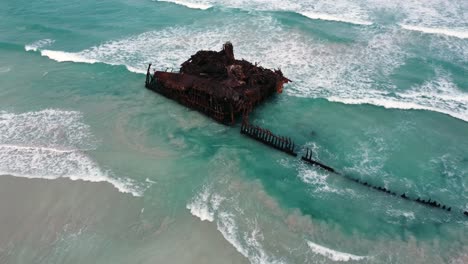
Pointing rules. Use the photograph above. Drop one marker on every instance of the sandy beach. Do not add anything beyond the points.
(51, 217)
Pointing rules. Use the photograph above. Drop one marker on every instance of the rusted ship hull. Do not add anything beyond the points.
(218, 85)
(220, 110)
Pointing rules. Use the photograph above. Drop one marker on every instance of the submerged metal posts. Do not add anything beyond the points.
(432, 203)
(266, 137)
(286, 145)
(308, 158)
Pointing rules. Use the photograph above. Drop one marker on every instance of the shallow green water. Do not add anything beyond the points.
(379, 92)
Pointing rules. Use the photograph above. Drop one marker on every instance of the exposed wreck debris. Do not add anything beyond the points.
(265, 136)
(217, 84)
(431, 203)
(308, 157)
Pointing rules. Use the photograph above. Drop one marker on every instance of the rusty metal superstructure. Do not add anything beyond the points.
(217, 84)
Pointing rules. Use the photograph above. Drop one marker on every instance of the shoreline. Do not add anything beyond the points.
(62, 218)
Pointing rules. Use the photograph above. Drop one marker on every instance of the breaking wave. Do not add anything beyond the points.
(51, 144)
(333, 254)
(438, 95)
(431, 17)
(327, 17)
(342, 11)
(189, 4)
(350, 73)
(205, 205)
(463, 34)
(38, 44)
(62, 56)
(211, 206)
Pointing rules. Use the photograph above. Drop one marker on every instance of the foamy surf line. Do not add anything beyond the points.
(394, 104)
(206, 207)
(51, 144)
(121, 187)
(333, 254)
(50, 163)
(63, 56)
(189, 4)
(38, 44)
(39, 148)
(327, 17)
(439, 31)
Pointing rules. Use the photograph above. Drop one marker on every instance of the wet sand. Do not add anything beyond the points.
(43, 220)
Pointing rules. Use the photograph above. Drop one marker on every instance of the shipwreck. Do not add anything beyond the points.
(225, 89)
(218, 85)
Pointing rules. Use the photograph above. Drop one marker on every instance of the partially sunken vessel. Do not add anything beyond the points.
(218, 85)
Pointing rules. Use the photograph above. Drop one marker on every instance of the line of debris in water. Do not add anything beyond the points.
(286, 145)
(265, 136)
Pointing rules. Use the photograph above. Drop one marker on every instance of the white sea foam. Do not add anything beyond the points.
(431, 13)
(252, 249)
(51, 144)
(313, 176)
(327, 17)
(38, 44)
(4, 69)
(189, 4)
(46, 163)
(228, 228)
(341, 11)
(29, 148)
(399, 213)
(370, 156)
(200, 206)
(396, 104)
(438, 95)
(80, 57)
(46, 128)
(207, 206)
(62, 56)
(463, 34)
(356, 73)
(317, 178)
(333, 254)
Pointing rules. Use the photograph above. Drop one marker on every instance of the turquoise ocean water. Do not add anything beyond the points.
(379, 91)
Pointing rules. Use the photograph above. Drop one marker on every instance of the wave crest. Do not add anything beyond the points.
(327, 17)
(38, 44)
(463, 34)
(333, 254)
(210, 206)
(193, 5)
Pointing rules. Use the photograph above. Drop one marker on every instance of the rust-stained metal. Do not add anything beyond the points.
(218, 85)
(265, 136)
